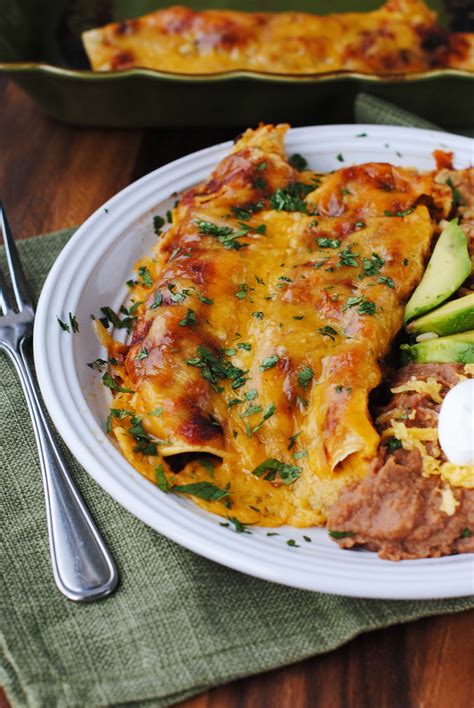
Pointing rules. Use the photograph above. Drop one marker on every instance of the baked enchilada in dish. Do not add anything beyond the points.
(260, 376)
(401, 37)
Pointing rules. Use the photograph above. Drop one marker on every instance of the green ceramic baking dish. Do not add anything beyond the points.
(41, 50)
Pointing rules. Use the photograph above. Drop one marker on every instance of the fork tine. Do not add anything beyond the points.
(6, 305)
(20, 288)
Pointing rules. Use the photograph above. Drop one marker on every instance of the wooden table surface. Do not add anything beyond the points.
(52, 176)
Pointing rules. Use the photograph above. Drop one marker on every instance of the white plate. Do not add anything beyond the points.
(91, 272)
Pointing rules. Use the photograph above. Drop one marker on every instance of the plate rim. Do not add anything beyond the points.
(222, 551)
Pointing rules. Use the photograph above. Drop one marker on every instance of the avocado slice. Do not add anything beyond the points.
(448, 267)
(457, 348)
(454, 316)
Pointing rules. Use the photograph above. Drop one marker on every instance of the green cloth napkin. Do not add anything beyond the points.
(177, 625)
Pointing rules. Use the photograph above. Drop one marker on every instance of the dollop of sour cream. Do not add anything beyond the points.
(456, 424)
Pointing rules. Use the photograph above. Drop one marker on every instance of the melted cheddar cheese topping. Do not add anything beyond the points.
(401, 37)
(263, 315)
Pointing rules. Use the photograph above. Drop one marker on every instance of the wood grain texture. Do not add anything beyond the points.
(53, 176)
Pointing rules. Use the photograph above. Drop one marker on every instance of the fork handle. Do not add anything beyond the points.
(83, 567)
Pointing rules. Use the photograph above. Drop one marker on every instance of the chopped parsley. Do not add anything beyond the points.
(348, 258)
(245, 346)
(328, 242)
(372, 265)
(242, 291)
(158, 300)
(457, 196)
(203, 490)
(269, 362)
(143, 353)
(270, 468)
(393, 444)
(160, 478)
(63, 325)
(300, 455)
(293, 439)
(307, 539)
(340, 534)
(238, 525)
(145, 275)
(251, 410)
(305, 376)
(292, 543)
(157, 411)
(406, 212)
(363, 304)
(189, 320)
(158, 223)
(251, 394)
(466, 533)
(360, 224)
(73, 323)
(385, 280)
(298, 317)
(169, 216)
(245, 213)
(111, 317)
(262, 166)
(291, 198)
(267, 413)
(327, 331)
(214, 368)
(298, 162)
(97, 364)
(340, 157)
(257, 315)
(405, 261)
(109, 381)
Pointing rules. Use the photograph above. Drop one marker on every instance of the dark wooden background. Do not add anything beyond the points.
(52, 176)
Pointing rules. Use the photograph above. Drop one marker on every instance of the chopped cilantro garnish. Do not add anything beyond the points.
(340, 534)
(292, 543)
(307, 539)
(345, 191)
(340, 157)
(405, 261)
(189, 320)
(372, 265)
(203, 490)
(63, 325)
(348, 258)
(300, 455)
(73, 323)
(251, 410)
(327, 331)
(259, 183)
(269, 362)
(360, 224)
(298, 317)
(262, 166)
(293, 439)
(157, 411)
(291, 198)
(135, 306)
(109, 381)
(111, 317)
(245, 346)
(161, 481)
(169, 216)
(242, 291)
(257, 315)
(97, 364)
(245, 213)
(361, 135)
(238, 525)
(298, 162)
(364, 306)
(406, 212)
(270, 468)
(466, 533)
(143, 353)
(393, 444)
(457, 196)
(214, 368)
(158, 223)
(328, 242)
(385, 280)
(251, 394)
(145, 275)
(305, 376)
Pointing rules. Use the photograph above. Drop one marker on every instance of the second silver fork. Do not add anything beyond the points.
(83, 567)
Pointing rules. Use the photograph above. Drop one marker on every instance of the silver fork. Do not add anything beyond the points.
(82, 566)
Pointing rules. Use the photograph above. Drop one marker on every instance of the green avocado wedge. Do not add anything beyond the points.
(448, 268)
(452, 317)
(459, 348)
